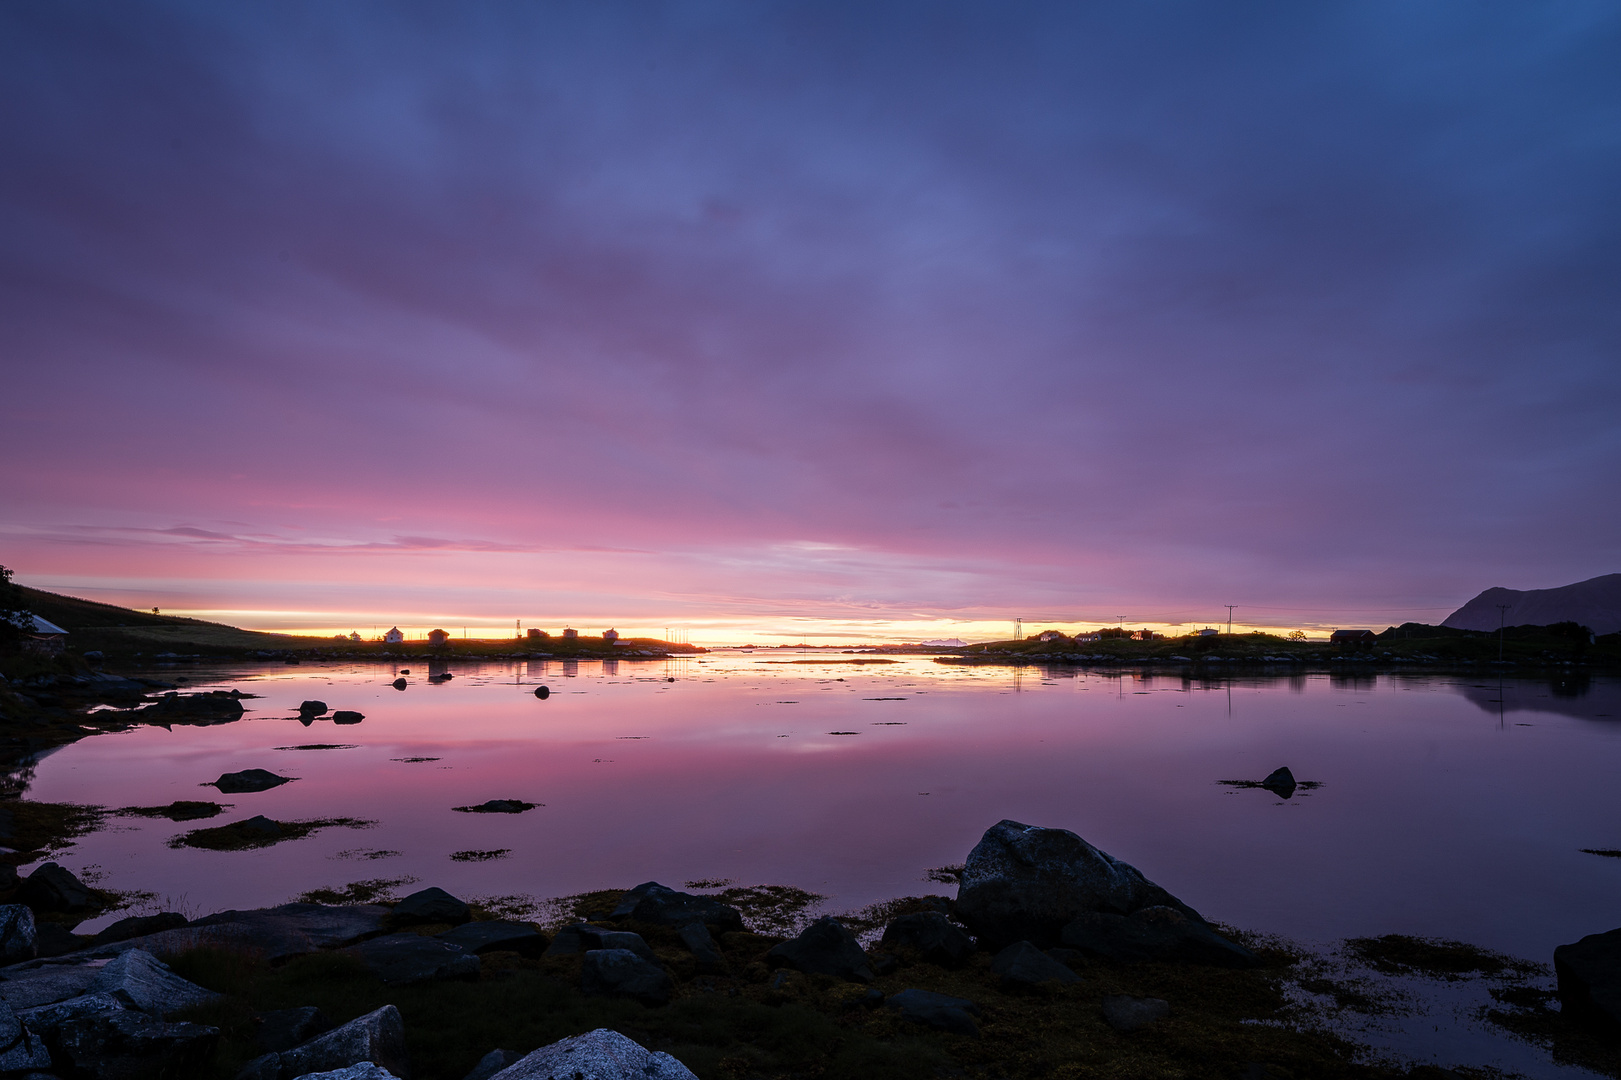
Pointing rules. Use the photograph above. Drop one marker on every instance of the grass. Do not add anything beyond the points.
(1399, 954)
(370, 891)
(239, 836)
(179, 810)
(42, 828)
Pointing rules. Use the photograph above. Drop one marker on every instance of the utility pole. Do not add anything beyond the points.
(1229, 608)
(1502, 615)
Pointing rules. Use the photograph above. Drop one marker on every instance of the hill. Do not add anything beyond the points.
(1594, 603)
(94, 625)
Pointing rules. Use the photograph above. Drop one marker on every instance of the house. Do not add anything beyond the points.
(393, 637)
(1206, 632)
(537, 634)
(1096, 635)
(1356, 638)
(570, 635)
(42, 636)
(354, 635)
(1051, 635)
(1148, 635)
(438, 637)
(610, 636)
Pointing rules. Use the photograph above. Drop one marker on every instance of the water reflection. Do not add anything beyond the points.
(1575, 695)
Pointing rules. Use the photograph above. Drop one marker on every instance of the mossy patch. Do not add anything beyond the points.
(42, 827)
(480, 856)
(1400, 954)
(179, 810)
(370, 891)
(773, 909)
(249, 834)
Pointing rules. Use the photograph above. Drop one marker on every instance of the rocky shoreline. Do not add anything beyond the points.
(1053, 959)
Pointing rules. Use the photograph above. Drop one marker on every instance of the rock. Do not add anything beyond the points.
(399, 684)
(940, 1011)
(283, 1029)
(496, 935)
(8, 873)
(596, 1055)
(1281, 782)
(1023, 882)
(147, 984)
(214, 707)
(498, 806)
(1160, 934)
(622, 973)
(363, 1071)
(46, 1019)
(347, 716)
(35, 986)
(1023, 964)
(825, 948)
(250, 780)
(17, 933)
(492, 1063)
(377, 1038)
(403, 959)
(124, 1045)
(51, 939)
(431, 905)
(259, 825)
(139, 926)
(696, 937)
(277, 933)
(1126, 1014)
(312, 708)
(582, 937)
(661, 905)
(51, 888)
(932, 935)
(1589, 973)
(543, 692)
(20, 1048)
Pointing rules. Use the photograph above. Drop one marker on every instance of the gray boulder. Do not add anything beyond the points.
(148, 985)
(403, 959)
(20, 1049)
(492, 1063)
(36, 985)
(1589, 974)
(1127, 1014)
(825, 948)
(577, 938)
(939, 1011)
(698, 940)
(932, 935)
(249, 780)
(124, 1045)
(431, 905)
(46, 1019)
(140, 926)
(1023, 964)
(597, 1055)
(283, 1029)
(1155, 934)
(17, 933)
(51, 888)
(377, 1038)
(496, 935)
(661, 905)
(622, 973)
(1024, 882)
(363, 1071)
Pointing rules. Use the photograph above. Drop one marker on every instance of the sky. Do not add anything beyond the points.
(843, 321)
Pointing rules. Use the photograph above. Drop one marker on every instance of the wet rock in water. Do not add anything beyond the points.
(497, 935)
(825, 948)
(661, 905)
(622, 973)
(1160, 934)
(138, 977)
(260, 825)
(1281, 782)
(939, 1011)
(1127, 1014)
(431, 905)
(1023, 964)
(140, 926)
(51, 888)
(377, 1038)
(283, 1029)
(399, 684)
(492, 1063)
(583, 937)
(543, 692)
(216, 706)
(132, 1044)
(932, 935)
(250, 780)
(597, 1055)
(312, 708)
(696, 937)
(1589, 973)
(1024, 882)
(497, 806)
(403, 959)
(17, 933)
(347, 716)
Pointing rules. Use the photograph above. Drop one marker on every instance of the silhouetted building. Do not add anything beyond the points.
(438, 637)
(1358, 638)
(1051, 635)
(610, 636)
(570, 635)
(538, 635)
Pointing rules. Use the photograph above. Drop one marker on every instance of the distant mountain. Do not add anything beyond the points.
(1595, 603)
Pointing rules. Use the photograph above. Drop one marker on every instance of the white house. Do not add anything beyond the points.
(393, 637)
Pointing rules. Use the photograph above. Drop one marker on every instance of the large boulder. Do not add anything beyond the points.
(1024, 882)
(1589, 973)
(21, 1050)
(51, 888)
(378, 1038)
(597, 1055)
(147, 984)
(404, 959)
(1155, 934)
(1022, 964)
(661, 905)
(622, 973)
(932, 935)
(496, 935)
(825, 948)
(492, 1063)
(283, 1029)
(140, 926)
(125, 1045)
(363, 1071)
(701, 944)
(577, 938)
(17, 934)
(211, 707)
(939, 1011)
(431, 905)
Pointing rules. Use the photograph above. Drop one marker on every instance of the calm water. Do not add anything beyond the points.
(1449, 807)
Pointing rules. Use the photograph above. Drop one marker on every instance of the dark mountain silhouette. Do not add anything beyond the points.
(1595, 603)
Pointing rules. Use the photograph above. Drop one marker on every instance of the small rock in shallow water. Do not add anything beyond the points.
(347, 716)
(498, 806)
(399, 684)
(312, 708)
(1126, 1014)
(249, 780)
(1281, 782)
